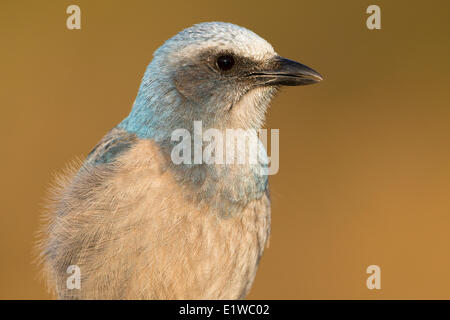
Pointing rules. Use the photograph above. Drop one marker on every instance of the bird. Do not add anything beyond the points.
(138, 225)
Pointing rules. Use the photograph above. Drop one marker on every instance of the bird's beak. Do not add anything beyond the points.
(285, 72)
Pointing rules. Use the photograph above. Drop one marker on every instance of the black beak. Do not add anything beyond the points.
(286, 72)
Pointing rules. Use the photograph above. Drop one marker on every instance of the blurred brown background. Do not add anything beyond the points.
(365, 158)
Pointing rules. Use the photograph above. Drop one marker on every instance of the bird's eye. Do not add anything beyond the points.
(225, 62)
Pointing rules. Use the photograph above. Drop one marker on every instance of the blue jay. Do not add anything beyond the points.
(139, 226)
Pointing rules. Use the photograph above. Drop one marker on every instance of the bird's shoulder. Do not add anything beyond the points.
(114, 143)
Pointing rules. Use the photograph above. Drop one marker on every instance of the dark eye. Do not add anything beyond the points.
(225, 62)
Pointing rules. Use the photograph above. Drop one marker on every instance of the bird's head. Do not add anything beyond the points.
(219, 73)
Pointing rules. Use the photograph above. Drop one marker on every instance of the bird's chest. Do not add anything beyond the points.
(184, 248)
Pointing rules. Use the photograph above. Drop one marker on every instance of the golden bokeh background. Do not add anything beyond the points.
(365, 155)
